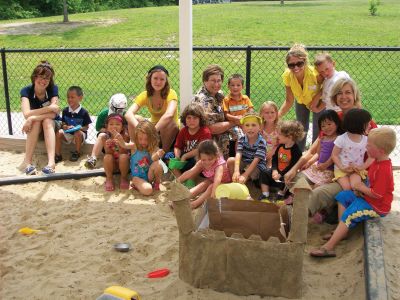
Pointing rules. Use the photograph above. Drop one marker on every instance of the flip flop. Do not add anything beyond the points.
(109, 186)
(322, 252)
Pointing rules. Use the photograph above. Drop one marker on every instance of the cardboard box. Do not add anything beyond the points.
(257, 260)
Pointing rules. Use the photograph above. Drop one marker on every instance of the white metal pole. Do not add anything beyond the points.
(185, 52)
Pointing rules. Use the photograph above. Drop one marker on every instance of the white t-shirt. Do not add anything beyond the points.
(327, 88)
(351, 152)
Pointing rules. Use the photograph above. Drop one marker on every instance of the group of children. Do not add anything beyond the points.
(266, 149)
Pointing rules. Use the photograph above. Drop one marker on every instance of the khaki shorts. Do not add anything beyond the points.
(254, 175)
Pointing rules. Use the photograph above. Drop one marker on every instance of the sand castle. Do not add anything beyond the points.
(242, 263)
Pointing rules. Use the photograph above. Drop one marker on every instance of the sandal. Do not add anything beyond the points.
(322, 252)
(90, 162)
(47, 170)
(124, 184)
(30, 170)
(109, 186)
(74, 156)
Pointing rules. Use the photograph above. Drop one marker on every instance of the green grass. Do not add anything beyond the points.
(102, 74)
(334, 22)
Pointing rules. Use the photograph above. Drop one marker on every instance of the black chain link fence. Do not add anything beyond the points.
(104, 72)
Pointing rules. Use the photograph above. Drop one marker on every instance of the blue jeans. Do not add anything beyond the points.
(303, 116)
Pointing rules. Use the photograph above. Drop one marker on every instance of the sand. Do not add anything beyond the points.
(73, 258)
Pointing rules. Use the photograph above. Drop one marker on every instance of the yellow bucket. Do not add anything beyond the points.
(232, 190)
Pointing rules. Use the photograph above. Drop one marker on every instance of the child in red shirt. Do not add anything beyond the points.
(377, 197)
(190, 136)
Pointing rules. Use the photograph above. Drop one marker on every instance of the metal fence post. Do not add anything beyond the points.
(6, 94)
(248, 70)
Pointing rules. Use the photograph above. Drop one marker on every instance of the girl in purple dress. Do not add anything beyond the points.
(319, 170)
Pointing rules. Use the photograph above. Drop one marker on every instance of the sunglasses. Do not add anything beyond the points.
(299, 64)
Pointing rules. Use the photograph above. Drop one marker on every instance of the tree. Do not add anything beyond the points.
(65, 11)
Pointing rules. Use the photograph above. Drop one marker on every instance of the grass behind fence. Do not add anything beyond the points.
(102, 74)
(329, 22)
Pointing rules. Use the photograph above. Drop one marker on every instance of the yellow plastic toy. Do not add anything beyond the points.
(116, 292)
(232, 190)
(28, 231)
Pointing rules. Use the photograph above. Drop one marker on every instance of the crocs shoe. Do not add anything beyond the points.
(30, 170)
(47, 170)
(74, 156)
(58, 158)
(90, 163)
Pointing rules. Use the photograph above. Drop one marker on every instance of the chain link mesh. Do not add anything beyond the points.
(104, 72)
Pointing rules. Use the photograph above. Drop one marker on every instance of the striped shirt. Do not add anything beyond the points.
(257, 150)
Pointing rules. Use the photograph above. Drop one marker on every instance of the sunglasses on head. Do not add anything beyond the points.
(299, 64)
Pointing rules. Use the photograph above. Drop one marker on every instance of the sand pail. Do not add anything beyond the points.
(232, 190)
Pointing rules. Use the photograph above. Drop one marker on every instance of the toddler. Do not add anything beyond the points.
(376, 198)
(269, 115)
(213, 166)
(285, 157)
(250, 154)
(72, 116)
(325, 66)
(146, 169)
(236, 104)
(348, 152)
(319, 169)
(116, 157)
(189, 137)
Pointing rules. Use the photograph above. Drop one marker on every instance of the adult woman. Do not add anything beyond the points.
(301, 82)
(346, 95)
(162, 103)
(210, 97)
(39, 105)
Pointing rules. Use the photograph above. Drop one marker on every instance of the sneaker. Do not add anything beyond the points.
(58, 158)
(90, 162)
(30, 170)
(47, 170)
(74, 156)
(262, 197)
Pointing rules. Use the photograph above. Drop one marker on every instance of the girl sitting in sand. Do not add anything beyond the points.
(115, 157)
(146, 169)
(319, 169)
(213, 166)
(269, 115)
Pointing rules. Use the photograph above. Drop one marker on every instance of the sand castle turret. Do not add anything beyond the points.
(251, 261)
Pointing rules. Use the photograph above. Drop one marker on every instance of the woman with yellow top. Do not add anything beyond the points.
(162, 104)
(303, 84)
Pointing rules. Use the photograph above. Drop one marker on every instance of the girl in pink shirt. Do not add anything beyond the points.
(213, 167)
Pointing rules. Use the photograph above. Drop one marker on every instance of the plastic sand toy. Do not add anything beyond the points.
(119, 293)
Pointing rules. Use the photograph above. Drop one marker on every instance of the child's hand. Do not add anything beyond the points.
(275, 175)
(306, 166)
(235, 176)
(242, 179)
(322, 166)
(110, 143)
(183, 157)
(289, 176)
(160, 153)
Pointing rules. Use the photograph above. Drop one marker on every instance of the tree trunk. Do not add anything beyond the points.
(65, 11)
(282, 2)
